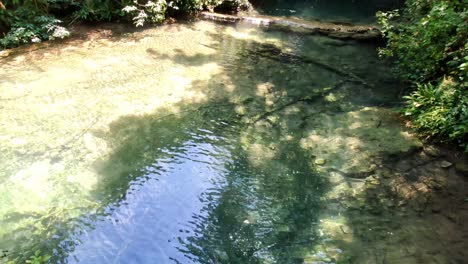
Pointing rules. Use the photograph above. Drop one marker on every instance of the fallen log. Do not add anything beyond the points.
(334, 30)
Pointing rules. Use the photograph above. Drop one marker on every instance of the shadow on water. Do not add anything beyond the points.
(265, 205)
(254, 212)
(227, 176)
(264, 201)
(356, 11)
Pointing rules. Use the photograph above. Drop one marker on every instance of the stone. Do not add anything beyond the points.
(431, 150)
(452, 217)
(371, 180)
(319, 161)
(436, 208)
(445, 164)
(349, 141)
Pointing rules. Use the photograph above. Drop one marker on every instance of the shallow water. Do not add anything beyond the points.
(199, 143)
(351, 11)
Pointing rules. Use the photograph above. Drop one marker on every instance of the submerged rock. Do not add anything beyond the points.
(445, 164)
(320, 161)
(351, 141)
(431, 150)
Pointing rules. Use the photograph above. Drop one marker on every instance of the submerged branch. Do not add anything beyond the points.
(308, 99)
(276, 54)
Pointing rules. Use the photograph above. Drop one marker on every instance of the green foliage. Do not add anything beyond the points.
(38, 258)
(423, 44)
(440, 111)
(156, 11)
(97, 10)
(27, 27)
(29, 21)
(427, 42)
(151, 11)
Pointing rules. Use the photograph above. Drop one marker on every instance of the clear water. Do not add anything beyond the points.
(351, 11)
(199, 143)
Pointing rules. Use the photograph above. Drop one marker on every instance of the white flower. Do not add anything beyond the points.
(35, 40)
(129, 9)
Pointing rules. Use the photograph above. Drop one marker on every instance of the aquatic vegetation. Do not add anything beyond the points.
(37, 258)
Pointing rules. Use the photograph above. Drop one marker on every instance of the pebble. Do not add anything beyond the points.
(436, 208)
(445, 164)
(319, 161)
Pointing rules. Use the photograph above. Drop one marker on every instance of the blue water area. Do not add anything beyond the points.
(240, 172)
(203, 202)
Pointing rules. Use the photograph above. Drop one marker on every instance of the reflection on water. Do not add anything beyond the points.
(203, 200)
(159, 204)
(197, 143)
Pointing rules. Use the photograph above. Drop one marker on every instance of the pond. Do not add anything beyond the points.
(206, 143)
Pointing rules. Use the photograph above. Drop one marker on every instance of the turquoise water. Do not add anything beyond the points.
(203, 143)
(351, 11)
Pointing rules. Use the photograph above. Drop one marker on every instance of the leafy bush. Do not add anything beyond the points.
(29, 21)
(96, 10)
(440, 111)
(29, 27)
(427, 43)
(156, 11)
(151, 11)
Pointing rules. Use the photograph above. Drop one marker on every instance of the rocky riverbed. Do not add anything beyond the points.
(267, 145)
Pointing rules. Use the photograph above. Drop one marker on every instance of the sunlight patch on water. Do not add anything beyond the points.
(348, 141)
(222, 144)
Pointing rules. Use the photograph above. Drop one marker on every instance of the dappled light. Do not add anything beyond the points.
(209, 143)
(349, 142)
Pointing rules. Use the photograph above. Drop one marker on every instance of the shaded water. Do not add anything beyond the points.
(200, 143)
(355, 11)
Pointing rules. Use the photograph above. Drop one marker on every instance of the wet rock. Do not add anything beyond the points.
(349, 141)
(436, 208)
(431, 150)
(387, 174)
(453, 217)
(320, 161)
(445, 164)
(371, 180)
(435, 185)
(462, 167)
